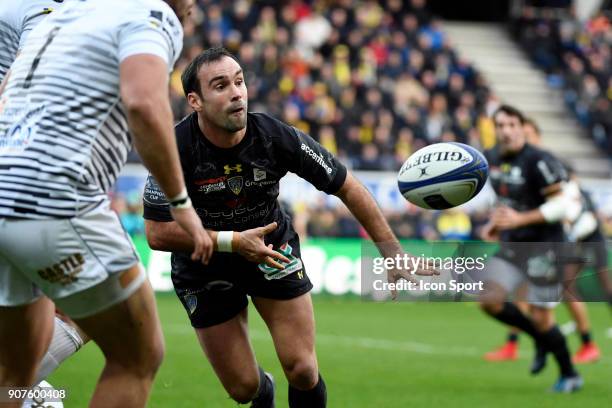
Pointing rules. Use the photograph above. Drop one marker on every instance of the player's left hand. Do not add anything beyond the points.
(251, 245)
(506, 218)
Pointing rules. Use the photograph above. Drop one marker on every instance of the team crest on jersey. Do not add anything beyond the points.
(235, 184)
(192, 303)
(259, 174)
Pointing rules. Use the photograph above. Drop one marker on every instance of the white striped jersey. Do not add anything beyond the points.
(17, 18)
(63, 129)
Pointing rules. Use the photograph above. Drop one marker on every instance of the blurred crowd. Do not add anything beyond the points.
(576, 56)
(372, 81)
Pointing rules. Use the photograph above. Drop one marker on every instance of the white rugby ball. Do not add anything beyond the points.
(443, 175)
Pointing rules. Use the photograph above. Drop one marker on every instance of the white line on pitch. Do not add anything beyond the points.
(371, 343)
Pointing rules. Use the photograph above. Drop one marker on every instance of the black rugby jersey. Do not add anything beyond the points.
(519, 180)
(237, 188)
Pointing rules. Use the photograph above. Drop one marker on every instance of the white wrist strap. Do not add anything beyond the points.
(180, 201)
(224, 241)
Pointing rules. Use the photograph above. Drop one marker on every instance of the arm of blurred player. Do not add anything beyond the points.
(363, 206)
(553, 210)
(144, 93)
(168, 236)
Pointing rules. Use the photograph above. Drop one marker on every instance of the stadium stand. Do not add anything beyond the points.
(576, 57)
(372, 83)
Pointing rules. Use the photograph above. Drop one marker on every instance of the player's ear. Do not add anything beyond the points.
(194, 101)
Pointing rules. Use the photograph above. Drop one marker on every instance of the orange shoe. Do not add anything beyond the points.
(507, 352)
(588, 353)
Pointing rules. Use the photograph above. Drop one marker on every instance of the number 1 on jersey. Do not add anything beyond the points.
(28, 81)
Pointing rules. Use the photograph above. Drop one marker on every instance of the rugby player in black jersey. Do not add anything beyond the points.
(233, 162)
(583, 227)
(528, 182)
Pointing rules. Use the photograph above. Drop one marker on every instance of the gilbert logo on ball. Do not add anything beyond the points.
(443, 175)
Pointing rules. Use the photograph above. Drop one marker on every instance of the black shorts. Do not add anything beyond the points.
(594, 251)
(215, 293)
(543, 263)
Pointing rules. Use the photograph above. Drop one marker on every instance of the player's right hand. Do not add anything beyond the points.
(251, 245)
(191, 223)
(489, 232)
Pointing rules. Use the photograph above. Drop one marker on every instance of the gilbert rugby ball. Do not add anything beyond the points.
(443, 175)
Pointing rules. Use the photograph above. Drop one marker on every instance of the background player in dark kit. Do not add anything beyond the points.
(583, 227)
(233, 162)
(528, 182)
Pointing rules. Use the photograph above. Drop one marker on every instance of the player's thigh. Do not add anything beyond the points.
(292, 326)
(228, 349)
(501, 278)
(129, 332)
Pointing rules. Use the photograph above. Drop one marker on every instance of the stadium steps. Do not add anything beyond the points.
(516, 81)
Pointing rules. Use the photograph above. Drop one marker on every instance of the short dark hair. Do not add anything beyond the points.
(189, 78)
(533, 124)
(510, 111)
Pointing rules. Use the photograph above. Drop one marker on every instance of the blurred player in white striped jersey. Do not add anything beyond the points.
(16, 23)
(89, 78)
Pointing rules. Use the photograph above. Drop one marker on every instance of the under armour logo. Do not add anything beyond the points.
(228, 169)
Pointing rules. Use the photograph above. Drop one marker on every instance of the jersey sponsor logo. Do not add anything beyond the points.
(508, 174)
(229, 169)
(210, 185)
(259, 174)
(294, 265)
(23, 130)
(235, 184)
(264, 183)
(210, 180)
(232, 216)
(209, 188)
(65, 271)
(318, 158)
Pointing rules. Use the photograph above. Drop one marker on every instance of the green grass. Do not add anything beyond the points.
(371, 355)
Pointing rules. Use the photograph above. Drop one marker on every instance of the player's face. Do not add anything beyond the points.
(531, 135)
(224, 94)
(182, 9)
(510, 133)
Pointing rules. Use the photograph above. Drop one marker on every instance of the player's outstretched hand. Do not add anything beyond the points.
(423, 269)
(489, 232)
(191, 223)
(506, 218)
(251, 245)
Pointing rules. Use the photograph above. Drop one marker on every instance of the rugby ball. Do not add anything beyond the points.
(443, 175)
